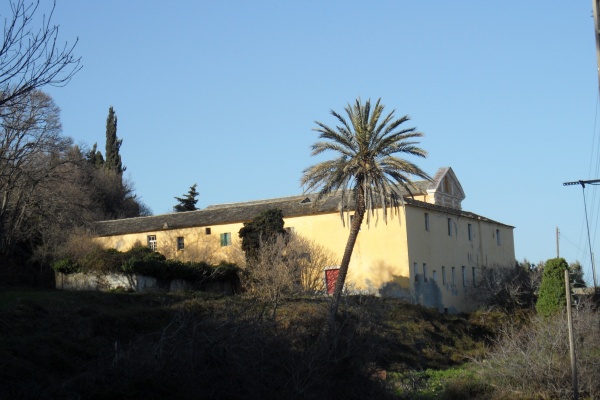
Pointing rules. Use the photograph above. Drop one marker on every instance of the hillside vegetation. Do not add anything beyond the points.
(57, 344)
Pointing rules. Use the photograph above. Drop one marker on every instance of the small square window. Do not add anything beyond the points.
(425, 272)
(152, 242)
(443, 275)
(498, 237)
(464, 275)
(207, 231)
(453, 275)
(474, 276)
(427, 221)
(180, 243)
(449, 226)
(225, 239)
(470, 231)
(434, 275)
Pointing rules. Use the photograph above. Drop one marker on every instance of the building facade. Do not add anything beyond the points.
(431, 252)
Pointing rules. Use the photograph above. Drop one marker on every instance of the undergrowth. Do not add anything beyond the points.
(127, 345)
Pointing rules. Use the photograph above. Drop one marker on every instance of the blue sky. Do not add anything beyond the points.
(225, 94)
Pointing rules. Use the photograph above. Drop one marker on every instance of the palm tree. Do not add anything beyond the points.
(366, 171)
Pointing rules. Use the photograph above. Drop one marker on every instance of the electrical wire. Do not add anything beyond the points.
(563, 237)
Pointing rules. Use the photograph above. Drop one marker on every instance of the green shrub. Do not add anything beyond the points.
(66, 266)
(552, 297)
(101, 261)
(449, 384)
(142, 260)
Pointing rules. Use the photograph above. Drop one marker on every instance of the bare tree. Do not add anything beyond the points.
(31, 57)
(30, 149)
(285, 266)
(271, 275)
(310, 259)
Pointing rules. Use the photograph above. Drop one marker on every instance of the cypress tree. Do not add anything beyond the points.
(113, 144)
(552, 296)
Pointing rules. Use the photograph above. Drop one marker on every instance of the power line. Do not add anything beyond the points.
(562, 236)
(583, 183)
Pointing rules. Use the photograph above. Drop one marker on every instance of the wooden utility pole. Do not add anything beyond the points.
(557, 248)
(595, 7)
(571, 338)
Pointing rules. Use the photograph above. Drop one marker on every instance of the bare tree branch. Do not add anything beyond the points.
(31, 57)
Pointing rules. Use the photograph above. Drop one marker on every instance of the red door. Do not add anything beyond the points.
(331, 276)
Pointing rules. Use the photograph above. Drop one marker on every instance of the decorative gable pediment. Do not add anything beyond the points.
(445, 189)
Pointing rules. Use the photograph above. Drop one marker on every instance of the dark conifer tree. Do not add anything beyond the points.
(113, 144)
(94, 157)
(188, 202)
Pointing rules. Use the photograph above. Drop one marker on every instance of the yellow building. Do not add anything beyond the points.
(430, 253)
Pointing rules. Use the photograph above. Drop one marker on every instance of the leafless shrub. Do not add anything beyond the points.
(311, 260)
(507, 287)
(287, 266)
(78, 244)
(271, 274)
(534, 360)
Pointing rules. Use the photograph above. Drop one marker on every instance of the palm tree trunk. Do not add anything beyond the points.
(339, 284)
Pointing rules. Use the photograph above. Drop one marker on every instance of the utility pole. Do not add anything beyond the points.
(583, 183)
(571, 338)
(557, 248)
(595, 7)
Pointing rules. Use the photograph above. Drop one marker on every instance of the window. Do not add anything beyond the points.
(225, 239)
(443, 275)
(152, 242)
(424, 272)
(180, 243)
(453, 276)
(207, 231)
(416, 271)
(498, 237)
(426, 221)
(473, 276)
(464, 275)
(434, 275)
(470, 231)
(449, 226)
(289, 230)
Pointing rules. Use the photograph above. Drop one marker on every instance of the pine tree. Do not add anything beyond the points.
(113, 144)
(188, 202)
(576, 272)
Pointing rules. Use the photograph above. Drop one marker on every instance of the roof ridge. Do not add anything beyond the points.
(256, 202)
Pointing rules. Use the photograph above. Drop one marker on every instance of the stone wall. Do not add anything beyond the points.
(137, 283)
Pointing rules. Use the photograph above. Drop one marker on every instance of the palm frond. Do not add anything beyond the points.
(369, 144)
